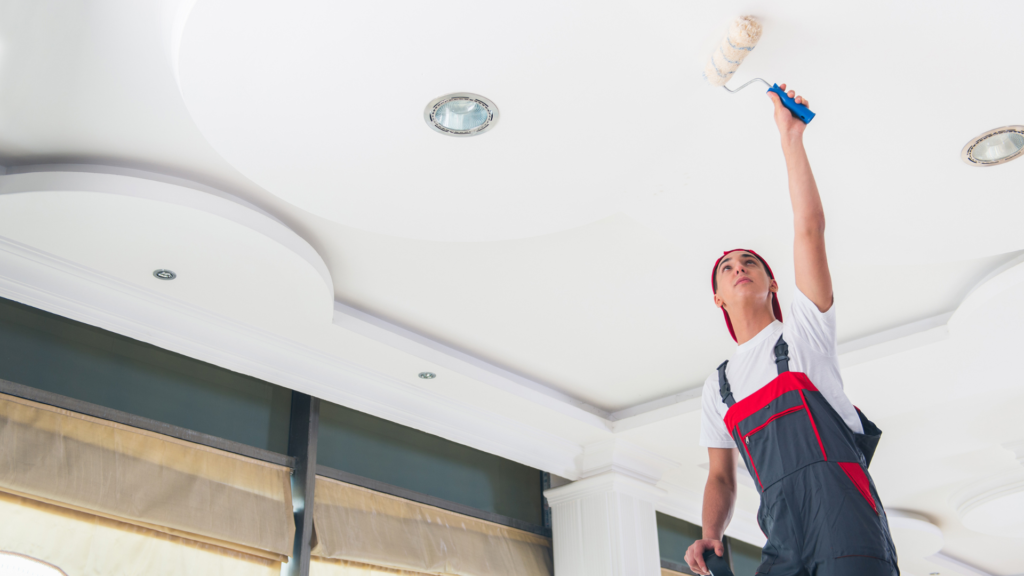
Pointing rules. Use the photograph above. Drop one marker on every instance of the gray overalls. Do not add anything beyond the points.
(819, 508)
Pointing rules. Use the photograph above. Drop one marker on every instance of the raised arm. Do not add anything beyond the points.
(809, 259)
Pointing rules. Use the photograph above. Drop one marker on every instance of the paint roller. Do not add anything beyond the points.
(743, 35)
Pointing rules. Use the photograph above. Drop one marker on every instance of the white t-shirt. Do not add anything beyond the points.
(811, 336)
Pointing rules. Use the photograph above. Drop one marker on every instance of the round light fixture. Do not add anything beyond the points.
(994, 505)
(996, 146)
(20, 565)
(427, 375)
(461, 114)
(164, 274)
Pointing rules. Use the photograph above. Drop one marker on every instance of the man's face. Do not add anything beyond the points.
(742, 277)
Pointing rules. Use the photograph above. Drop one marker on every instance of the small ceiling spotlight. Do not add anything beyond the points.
(427, 375)
(461, 114)
(996, 146)
(164, 274)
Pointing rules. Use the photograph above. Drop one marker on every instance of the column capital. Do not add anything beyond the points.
(605, 482)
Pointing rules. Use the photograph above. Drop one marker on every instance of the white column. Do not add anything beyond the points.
(604, 524)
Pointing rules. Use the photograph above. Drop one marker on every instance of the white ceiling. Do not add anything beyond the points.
(553, 271)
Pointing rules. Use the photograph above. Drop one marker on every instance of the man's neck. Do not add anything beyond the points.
(751, 323)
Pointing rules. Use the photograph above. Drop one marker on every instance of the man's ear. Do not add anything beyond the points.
(774, 286)
(719, 302)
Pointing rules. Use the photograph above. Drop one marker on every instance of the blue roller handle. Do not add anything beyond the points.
(798, 110)
(718, 565)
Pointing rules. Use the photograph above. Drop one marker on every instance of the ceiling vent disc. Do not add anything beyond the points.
(997, 146)
(461, 114)
(994, 505)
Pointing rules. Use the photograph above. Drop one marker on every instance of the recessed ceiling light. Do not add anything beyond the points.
(164, 274)
(995, 147)
(461, 114)
(427, 375)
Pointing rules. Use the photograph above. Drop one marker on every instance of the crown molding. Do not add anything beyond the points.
(422, 347)
(623, 457)
(49, 283)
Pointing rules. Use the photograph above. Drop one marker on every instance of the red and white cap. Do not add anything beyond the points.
(776, 309)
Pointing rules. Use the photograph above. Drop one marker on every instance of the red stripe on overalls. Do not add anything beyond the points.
(813, 425)
(749, 457)
(860, 480)
(785, 382)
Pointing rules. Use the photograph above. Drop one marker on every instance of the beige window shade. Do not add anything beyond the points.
(363, 526)
(83, 544)
(328, 567)
(122, 473)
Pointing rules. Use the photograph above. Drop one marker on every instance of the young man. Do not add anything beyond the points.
(779, 405)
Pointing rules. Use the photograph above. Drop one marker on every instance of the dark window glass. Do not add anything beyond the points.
(59, 355)
(382, 450)
(745, 557)
(675, 536)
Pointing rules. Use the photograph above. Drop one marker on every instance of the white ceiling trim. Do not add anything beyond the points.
(623, 457)
(869, 348)
(956, 565)
(899, 339)
(162, 188)
(422, 347)
(1001, 279)
(49, 283)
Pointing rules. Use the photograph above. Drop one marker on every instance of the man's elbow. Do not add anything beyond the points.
(812, 226)
(723, 481)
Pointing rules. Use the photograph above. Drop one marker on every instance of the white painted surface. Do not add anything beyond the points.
(605, 525)
(228, 256)
(994, 505)
(566, 337)
(594, 98)
(914, 535)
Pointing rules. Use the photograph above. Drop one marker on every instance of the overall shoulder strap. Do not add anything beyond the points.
(782, 355)
(723, 386)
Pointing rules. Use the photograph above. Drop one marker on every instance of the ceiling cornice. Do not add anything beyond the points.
(49, 283)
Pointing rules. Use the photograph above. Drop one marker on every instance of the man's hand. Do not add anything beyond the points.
(789, 126)
(809, 260)
(695, 554)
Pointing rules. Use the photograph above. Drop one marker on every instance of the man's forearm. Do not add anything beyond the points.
(808, 214)
(810, 263)
(719, 499)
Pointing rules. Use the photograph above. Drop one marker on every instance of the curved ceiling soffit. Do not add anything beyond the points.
(174, 17)
(161, 188)
(1007, 277)
(914, 535)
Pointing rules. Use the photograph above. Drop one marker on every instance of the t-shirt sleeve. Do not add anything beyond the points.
(713, 433)
(811, 325)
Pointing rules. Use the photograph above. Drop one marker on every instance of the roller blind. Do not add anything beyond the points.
(146, 479)
(363, 526)
(83, 544)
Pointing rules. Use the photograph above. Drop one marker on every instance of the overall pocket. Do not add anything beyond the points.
(780, 439)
